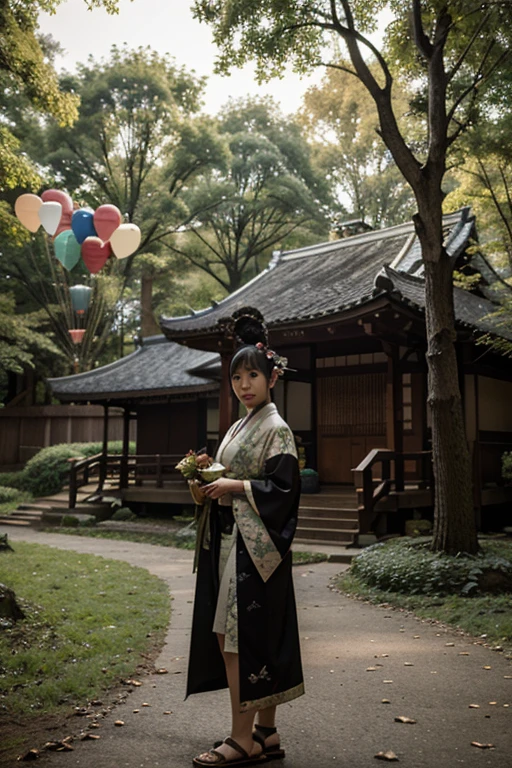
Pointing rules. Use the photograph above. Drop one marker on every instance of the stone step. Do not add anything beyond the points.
(10, 520)
(324, 535)
(319, 512)
(332, 523)
(25, 514)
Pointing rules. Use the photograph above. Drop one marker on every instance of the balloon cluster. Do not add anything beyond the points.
(78, 232)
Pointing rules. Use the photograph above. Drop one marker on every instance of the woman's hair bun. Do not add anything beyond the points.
(249, 326)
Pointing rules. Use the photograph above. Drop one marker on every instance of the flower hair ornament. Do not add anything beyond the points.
(280, 362)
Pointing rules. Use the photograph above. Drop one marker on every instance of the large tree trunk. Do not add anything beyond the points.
(454, 519)
(149, 326)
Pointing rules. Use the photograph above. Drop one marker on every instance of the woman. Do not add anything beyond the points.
(244, 632)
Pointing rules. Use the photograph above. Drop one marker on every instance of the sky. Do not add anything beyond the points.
(168, 27)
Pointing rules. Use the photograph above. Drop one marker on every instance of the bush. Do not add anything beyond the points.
(47, 472)
(404, 566)
(506, 466)
(123, 513)
(70, 521)
(12, 480)
(9, 494)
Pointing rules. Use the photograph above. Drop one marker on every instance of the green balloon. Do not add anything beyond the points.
(67, 249)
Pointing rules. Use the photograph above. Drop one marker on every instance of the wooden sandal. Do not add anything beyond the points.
(221, 759)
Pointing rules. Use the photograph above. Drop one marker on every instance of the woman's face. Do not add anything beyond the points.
(252, 387)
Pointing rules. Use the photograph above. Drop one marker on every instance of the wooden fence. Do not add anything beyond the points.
(24, 431)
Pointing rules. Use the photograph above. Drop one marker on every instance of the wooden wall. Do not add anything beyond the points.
(24, 431)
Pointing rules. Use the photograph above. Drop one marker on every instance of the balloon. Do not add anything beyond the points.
(67, 249)
(49, 216)
(77, 335)
(80, 298)
(95, 253)
(125, 240)
(58, 196)
(26, 209)
(107, 218)
(82, 224)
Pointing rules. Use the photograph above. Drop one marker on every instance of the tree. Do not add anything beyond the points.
(26, 68)
(137, 144)
(342, 120)
(265, 194)
(452, 49)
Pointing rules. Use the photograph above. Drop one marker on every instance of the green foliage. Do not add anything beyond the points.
(506, 465)
(88, 621)
(411, 568)
(19, 340)
(8, 495)
(48, 471)
(123, 513)
(70, 521)
(262, 194)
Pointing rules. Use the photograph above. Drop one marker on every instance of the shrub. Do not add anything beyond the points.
(70, 521)
(48, 471)
(506, 466)
(123, 513)
(9, 494)
(403, 566)
(12, 480)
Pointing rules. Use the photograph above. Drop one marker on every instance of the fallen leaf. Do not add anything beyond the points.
(389, 755)
(145, 704)
(385, 701)
(119, 723)
(464, 653)
(371, 669)
(408, 664)
(168, 712)
(482, 746)
(449, 645)
(32, 754)
(507, 677)
(387, 681)
(135, 711)
(89, 736)
(493, 702)
(162, 671)
(474, 706)
(403, 719)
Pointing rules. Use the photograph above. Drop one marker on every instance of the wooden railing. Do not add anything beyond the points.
(391, 479)
(133, 469)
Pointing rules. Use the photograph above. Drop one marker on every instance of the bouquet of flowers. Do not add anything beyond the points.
(199, 468)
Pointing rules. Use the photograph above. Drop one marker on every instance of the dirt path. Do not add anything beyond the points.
(354, 655)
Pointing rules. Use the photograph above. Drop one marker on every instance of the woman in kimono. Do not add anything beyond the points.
(245, 632)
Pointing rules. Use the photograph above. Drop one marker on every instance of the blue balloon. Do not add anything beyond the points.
(82, 224)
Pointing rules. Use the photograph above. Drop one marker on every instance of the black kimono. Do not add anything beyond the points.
(252, 600)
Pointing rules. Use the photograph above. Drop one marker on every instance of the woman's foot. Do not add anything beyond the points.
(270, 740)
(231, 752)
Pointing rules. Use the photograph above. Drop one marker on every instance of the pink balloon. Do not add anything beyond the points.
(95, 253)
(106, 220)
(58, 196)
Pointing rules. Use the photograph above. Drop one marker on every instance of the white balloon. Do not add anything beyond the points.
(49, 215)
(125, 240)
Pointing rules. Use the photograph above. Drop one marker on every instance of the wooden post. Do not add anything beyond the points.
(225, 396)
(123, 480)
(394, 419)
(104, 452)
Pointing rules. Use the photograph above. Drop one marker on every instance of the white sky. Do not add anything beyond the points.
(168, 27)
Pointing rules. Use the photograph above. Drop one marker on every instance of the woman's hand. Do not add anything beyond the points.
(222, 486)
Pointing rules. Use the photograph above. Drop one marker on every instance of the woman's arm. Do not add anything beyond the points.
(222, 486)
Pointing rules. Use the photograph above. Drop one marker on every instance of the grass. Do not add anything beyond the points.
(486, 616)
(88, 620)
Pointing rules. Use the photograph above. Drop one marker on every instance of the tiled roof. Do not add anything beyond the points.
(470, 310)
(158, 366)
(323, 279)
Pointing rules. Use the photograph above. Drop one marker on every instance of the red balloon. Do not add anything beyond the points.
(58, 196)
(95, 253)
(106, 220)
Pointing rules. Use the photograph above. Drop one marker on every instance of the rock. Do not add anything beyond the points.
(9, 608)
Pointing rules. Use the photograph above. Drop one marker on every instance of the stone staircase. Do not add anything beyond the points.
(328, 517)
(51, 509)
